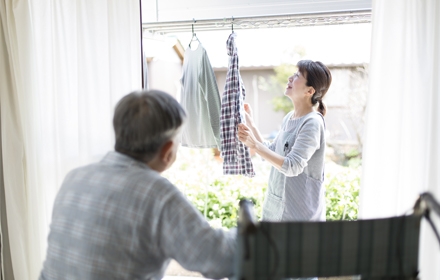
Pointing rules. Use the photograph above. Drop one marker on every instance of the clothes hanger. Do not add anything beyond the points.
(232, 24)
(194, 36)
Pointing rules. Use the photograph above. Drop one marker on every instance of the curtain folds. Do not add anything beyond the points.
(401, 156)
(64, 66)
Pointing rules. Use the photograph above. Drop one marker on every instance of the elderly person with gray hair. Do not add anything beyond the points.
(120, 219)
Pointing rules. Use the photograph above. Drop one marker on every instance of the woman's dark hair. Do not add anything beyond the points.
(319, 77)
(144, 121)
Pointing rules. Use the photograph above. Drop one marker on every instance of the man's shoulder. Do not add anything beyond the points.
(136, 177)
(80, 171)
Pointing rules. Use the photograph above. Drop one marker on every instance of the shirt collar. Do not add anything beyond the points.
(230, 45)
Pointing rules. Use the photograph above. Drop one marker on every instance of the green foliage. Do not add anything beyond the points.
(282, 103)
(223, 199)
(352, 153)
(353, 157)
(197, 173)
(355, 162)
(283, 72)
(342, 192)
(277, 83)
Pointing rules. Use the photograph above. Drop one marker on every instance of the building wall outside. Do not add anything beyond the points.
(345, 99)
(345, 102)
(165, 76)
(266, 119)
(164, 73)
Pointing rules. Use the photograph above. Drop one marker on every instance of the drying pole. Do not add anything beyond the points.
(206, 186)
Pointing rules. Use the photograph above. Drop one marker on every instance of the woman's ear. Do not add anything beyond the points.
(311, 91)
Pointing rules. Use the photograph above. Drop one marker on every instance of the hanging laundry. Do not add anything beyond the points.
(201, 100)
(236, 156)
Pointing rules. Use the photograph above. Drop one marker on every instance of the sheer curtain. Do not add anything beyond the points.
(64, 66)
(401, 152)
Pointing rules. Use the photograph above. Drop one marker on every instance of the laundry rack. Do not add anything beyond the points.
(267, 21)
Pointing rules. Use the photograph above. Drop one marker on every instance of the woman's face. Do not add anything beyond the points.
(296, 85)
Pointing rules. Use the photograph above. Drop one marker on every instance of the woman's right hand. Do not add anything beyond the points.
(246, 136)
(249, 114)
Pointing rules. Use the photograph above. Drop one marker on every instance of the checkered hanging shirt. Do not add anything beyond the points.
(236, 156)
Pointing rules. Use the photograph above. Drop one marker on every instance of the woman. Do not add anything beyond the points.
(295, 190)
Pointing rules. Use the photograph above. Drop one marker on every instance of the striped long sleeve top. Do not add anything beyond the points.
(201, 100)
(296, 192)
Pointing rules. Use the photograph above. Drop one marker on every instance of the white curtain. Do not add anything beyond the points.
(401, 156)
(64, 65)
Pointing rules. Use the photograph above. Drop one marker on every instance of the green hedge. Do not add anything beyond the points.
(197, 173)
(342, 191)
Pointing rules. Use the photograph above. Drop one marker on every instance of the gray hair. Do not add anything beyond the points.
(144, 121)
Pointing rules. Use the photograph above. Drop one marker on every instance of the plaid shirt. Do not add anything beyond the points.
(119, 219)
(236, 156)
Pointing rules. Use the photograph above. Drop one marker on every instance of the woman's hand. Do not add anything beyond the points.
(249, 114)
(246, 136)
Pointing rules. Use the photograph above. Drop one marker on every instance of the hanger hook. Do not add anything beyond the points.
(193, 25)
(232, 23)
